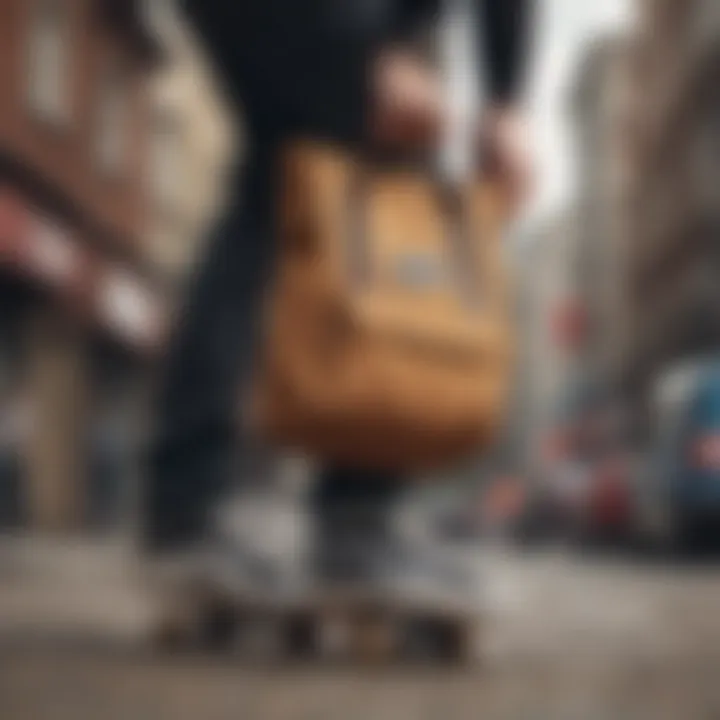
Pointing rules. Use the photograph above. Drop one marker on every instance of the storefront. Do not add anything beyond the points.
(121, 354)
(15, 401)
(77, 340)
(43, 273)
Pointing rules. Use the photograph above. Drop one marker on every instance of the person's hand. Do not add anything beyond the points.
(506, 154)
(407, 103)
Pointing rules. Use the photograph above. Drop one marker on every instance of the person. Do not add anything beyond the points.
(339, 70)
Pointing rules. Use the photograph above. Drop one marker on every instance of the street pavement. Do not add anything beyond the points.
(565, 637)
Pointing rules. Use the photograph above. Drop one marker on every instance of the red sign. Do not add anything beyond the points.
(556, 446)
(504, 500)
(12, 224)
(51, 254)
(570, 324)
(40, 246)
(44, 249)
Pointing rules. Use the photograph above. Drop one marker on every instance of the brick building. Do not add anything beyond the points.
(81, 312)
(602, 107)
(193, 147)
(675, 189)
(546, 268)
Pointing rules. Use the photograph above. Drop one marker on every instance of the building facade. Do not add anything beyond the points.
(81, 312)
(675, 190)
(545, 269)
(575, 284)
(602, 107)
(194, 147)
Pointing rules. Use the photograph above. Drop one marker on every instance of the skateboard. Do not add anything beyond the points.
(352, 626)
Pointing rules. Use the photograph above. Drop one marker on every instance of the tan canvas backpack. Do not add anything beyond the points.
(388, 340)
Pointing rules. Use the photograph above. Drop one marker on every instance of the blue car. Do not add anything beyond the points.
(683, 472)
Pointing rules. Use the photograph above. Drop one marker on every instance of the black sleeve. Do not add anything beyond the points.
(503, 41)
(300, 65)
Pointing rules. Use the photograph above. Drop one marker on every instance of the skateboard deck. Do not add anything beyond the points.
(352, 626)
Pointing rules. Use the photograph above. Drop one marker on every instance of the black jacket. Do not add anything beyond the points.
(300, 65)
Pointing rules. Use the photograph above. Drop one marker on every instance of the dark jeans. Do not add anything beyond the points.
(197, 449)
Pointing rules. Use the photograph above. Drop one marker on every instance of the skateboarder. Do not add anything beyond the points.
(342, 70)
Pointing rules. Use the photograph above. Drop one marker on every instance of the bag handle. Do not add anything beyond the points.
(459, 243)
(359, 258)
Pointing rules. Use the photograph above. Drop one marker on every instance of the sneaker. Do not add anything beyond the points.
(363, 549)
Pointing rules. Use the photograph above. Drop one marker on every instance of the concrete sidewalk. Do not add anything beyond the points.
(51, 586)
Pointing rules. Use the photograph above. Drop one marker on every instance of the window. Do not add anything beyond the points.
(49, 59)
(15, 410)
(706, 23)
(113, 118)
(166, 171)
(157, 13)
(705, 148)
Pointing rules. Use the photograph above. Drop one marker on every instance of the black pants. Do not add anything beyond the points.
(197, 449)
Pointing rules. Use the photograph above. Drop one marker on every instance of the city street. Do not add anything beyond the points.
(527, 351)
(564, 638)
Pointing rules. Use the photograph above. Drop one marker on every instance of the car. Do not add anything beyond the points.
(503, 505)
(608, 514)
(682, 474)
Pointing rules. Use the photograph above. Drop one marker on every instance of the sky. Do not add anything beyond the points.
(563, 31)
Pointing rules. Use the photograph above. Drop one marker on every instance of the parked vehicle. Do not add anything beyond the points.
(682, 476)
(610, 507)
(503, 505)
(586, 494)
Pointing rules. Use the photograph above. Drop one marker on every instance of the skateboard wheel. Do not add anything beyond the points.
(172, 637)
(301, 637)
(218, 626)
(375, 637)
(435, 639)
